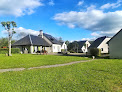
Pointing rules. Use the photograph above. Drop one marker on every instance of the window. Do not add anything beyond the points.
(87, 46)
(101, 49)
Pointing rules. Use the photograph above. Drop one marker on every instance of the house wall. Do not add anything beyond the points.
(23, 49)
(104, 46)
(115, 46)
(64, 46)
(85, 47)
(56, 48)
(48, 49)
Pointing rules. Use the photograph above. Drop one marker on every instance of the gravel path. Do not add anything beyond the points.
(47, 66)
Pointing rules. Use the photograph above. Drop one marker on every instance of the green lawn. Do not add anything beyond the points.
(95, 76)
(28, 60)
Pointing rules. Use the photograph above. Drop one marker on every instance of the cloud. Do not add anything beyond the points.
(95, 34)
(112, 5)
(18, 7)
(51, 3)
(89, 39)
(21, 32)
(95, 20)
(80, 3)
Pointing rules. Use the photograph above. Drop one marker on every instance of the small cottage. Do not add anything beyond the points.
(100, 43)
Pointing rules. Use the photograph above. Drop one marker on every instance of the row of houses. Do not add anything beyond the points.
(32, 44)
(101, 43)
(106, 44)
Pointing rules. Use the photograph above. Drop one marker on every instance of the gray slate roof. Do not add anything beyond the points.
(51, 39)
(80, 44)
(97, 42)
(31, 40)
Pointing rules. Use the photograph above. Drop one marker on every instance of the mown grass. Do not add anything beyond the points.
(96, 76)
(28, 60)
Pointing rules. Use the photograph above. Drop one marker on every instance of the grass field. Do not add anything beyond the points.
(102, 75)
(28, 60)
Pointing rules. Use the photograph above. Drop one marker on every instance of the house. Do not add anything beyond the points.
(115, 45)
(63, 46)
(83, 46)
(100, 43)
(32, 44)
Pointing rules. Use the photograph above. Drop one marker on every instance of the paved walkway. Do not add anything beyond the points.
(47, 66)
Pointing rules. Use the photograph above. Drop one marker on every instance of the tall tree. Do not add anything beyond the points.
(60, 39)
(73, 46)
(67, 42)
(7, 25)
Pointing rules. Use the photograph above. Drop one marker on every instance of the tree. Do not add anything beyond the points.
(67, 42)
(73, 46)
(7, 25)
(60, 39)
(4, 42)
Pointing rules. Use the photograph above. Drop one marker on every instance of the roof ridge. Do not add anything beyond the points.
(30, 40)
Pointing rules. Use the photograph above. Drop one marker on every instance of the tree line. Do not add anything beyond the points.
(4, 42)
(72, 46)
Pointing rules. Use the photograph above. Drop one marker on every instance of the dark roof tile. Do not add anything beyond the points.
(31, 40)
(97, 42)
(81, 44)
(51, 38)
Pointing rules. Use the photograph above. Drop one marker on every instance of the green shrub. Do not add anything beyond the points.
(62, 50)
(3, 50)
(13, 50)
(95, 52)
(71, 51)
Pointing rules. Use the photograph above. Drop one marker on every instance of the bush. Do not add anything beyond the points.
(62, 50)
(95, 52)
(71, 51)
(13, 50)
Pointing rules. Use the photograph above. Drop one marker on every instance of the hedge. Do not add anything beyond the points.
(95, 52)
(13, 50)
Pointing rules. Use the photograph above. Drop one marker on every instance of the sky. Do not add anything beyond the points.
(69, 19)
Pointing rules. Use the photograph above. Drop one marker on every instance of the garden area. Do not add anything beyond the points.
(101, 75)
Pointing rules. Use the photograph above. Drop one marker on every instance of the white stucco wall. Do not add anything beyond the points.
(56, 48)
(48, 49)
(64, 46)
(31, 49)
(104, 45)
(115, 46)
(85, 48)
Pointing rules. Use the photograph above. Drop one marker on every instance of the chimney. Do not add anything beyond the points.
(41, 33)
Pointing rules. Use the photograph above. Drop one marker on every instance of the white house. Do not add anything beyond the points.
(32, 43)
(83, 46)
(115, 45)
(101, 43)
(63, 46)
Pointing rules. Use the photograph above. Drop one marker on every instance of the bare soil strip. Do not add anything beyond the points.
(47, 66)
